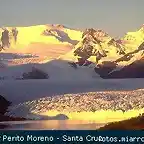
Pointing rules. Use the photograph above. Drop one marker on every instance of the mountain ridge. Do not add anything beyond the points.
(105, 54)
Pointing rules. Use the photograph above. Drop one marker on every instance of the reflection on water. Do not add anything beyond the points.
(51, 125)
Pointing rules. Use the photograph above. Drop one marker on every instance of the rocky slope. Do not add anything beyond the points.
(99, 44)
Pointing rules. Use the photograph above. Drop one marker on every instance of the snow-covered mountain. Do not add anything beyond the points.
(99, 44)
(131, 64)
(38, 33)
(91, 50)
(132, 40)
(112, 58)
(96, 46)
(44, 40)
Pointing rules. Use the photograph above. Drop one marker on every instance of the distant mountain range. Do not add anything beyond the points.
(109, 57)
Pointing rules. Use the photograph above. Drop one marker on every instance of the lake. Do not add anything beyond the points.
(50, 125)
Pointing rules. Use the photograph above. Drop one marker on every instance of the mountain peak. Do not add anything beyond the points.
(99, 44)
(97, 33)
(58, 25)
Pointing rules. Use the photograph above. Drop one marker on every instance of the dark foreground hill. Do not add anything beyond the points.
(4, 104)
(136, 123)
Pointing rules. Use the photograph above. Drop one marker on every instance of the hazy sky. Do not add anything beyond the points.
(113, 16)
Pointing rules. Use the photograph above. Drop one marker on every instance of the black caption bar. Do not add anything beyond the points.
(71, 136)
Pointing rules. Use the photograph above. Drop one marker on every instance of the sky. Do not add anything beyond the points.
(113, 16)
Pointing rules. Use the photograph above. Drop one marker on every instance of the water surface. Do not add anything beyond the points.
(51, 125)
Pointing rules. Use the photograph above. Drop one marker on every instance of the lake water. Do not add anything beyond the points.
(50, 125)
